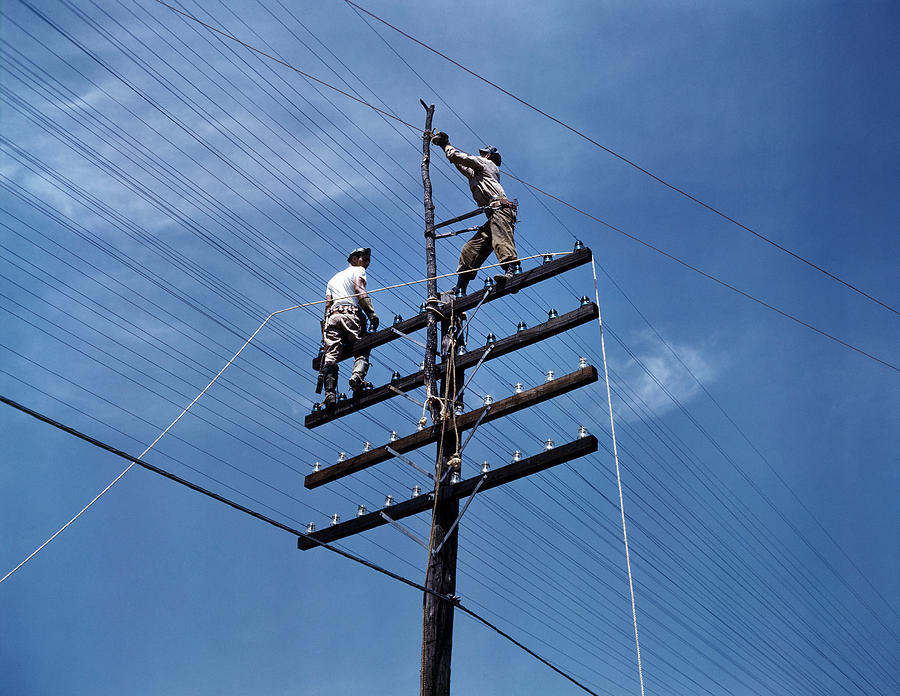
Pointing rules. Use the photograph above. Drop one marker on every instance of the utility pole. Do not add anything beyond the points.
(444, 383)
(437, 628)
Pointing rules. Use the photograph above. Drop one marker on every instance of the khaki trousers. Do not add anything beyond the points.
(344, 328)
(497, 234)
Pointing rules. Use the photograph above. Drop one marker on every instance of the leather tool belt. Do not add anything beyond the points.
(503, 203)
(344, 309)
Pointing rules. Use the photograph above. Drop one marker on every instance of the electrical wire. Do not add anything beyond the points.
(624, 159)
(636, 545)
(650, 246)
(454, 601)
(225, 367)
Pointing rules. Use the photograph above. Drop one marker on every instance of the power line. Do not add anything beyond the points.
(410, 67)
(637, 546)
(454, 601)
(624, 159)
(746, 438)
(289, 66)
(630, 236)
(663, 501)
(709, 276)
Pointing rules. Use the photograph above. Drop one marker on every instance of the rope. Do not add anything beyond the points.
(437, 489)
(213, 381)
(62, 529)
(612, 427)
(449, 382)
(141, 455)
(454, 337)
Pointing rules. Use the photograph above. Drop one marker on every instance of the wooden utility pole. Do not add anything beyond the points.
(430, 261)
(437, 617)
(443, 384)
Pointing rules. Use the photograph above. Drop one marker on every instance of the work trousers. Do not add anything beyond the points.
(497, 234)
(344, 328)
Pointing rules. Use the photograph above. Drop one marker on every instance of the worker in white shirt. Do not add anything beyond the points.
(346, 300)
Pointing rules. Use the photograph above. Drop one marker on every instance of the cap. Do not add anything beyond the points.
(492, 153)
(359, 251)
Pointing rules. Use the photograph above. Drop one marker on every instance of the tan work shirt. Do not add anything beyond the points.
(482, 173)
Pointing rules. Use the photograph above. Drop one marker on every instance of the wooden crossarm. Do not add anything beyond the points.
(448, 491)
(461, 304)
(552, 327)
(504, 407)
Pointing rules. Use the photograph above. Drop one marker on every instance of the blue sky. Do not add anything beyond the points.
(164, 190)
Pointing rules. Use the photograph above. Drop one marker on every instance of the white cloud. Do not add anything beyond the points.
(657, 376)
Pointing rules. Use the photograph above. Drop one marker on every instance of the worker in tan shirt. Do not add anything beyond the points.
(483, 174)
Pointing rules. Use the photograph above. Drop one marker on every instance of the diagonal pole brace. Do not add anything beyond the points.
(407, 336)
(463, 327)
(403, 529)
(406, 396)
(456, 232)
(462, 512)
(487, 292)
(410, 462)
(458, 218)
(483, 356)
(475, 427)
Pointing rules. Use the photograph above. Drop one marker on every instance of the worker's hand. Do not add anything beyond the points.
(373, 322)
(440, 138)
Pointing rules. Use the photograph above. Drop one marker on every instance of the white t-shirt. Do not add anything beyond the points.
(342, 285)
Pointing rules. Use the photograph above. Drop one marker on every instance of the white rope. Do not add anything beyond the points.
(612, 427)
(152, 444)
(227, 365)
(38, 549)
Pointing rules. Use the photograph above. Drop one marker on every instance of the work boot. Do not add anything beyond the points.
(453, 293)
(330, 384)
(502, 280)
(359, 384)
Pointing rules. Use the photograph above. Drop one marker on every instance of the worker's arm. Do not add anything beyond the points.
(329, 300)
(365, 303)
(464, 161)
